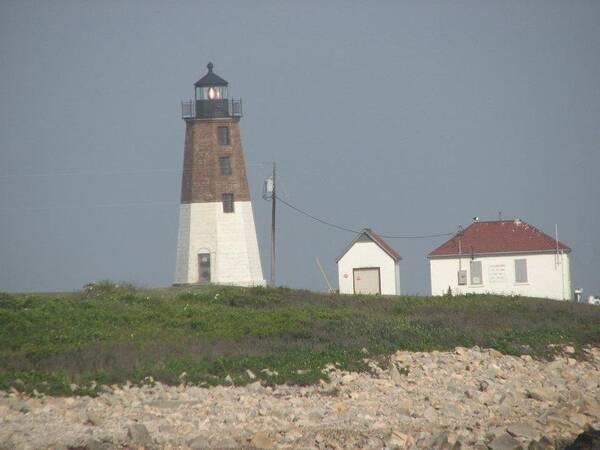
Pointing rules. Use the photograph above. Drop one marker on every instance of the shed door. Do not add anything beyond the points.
(366, 281)
(204, 268)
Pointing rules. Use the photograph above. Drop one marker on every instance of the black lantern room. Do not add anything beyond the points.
(211, 99)
(211, 96)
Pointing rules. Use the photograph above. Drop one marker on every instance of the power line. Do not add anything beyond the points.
(350, 230)
(108, 172)
(91, 205)
(339, 227)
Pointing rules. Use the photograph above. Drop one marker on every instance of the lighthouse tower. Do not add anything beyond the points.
(217, 236)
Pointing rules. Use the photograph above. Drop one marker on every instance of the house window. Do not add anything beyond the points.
(476, 272)
(225, 165)
(223, 133)
(520, 270)
(227, 203)
(462, 277)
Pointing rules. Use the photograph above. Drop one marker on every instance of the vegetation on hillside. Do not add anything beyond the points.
(211, 335)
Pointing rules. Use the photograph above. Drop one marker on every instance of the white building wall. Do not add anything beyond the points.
(230, 238)
(368, 254)
(545, 278)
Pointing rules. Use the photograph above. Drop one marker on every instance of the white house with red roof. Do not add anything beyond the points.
(369, 265)
(508, 257)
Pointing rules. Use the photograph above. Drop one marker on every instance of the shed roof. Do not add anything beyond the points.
(210, 79)
(369, 235)
(498, 236)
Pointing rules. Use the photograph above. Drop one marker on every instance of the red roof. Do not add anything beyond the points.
(499, 236)
(384, 245)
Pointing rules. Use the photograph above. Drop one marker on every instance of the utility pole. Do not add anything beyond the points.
(273, 253)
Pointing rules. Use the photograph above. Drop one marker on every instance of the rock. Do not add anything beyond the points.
(452, 410)
(94, 444)
(442, 442)
(340, 407)
(255, 387)
(250, 374)
(580, 420)
(403, 412)
(556, 364)
(199, 442)
(138, 435)
(557, 421)
(495, 353)
(224, 442)
(292, 436)
(263, 441)
(430, 413)
(546, 443)
(440, 405)
(315, 417)
(592, 410)
(165, 404)
(505, 442)
(22, 407)
(542, 444)
(541, 394)
(588, 440)
(395, 374)
(398, 440)
(523, 430)
(495, 432)
(93, 418)
(569, 349)
(166, 428)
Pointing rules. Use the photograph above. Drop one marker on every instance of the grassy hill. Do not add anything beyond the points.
(110, 334)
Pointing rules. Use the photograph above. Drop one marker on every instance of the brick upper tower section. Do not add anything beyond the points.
(202, 178)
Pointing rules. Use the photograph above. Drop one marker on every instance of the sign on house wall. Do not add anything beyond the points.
(497, 273)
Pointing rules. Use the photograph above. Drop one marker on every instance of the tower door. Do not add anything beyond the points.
(204, 268)
(367, 281)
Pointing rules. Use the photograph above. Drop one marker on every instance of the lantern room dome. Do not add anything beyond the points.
(210, 79)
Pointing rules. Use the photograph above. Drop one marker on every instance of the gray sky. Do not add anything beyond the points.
(408, 117)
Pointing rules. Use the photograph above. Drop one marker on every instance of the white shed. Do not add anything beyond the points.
(508, 257)
(369, 265)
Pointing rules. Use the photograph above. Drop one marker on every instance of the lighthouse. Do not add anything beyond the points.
(217, 235)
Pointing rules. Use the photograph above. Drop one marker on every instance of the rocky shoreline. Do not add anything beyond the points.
(467, 399)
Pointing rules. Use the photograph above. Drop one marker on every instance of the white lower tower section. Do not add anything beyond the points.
(229, 238)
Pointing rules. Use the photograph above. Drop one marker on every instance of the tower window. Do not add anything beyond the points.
(227, 203)
(223, 133)
(225, 165)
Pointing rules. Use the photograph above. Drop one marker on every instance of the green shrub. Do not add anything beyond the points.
(110, 333)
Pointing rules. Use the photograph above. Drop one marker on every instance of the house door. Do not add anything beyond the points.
(367, 281)
(204, 268)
